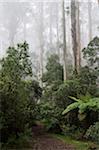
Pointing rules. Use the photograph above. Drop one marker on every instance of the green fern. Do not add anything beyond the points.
(83, 104)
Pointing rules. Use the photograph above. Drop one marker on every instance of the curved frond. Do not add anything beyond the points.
(70, 107)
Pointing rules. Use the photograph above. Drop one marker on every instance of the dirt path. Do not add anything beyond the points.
(44, 141)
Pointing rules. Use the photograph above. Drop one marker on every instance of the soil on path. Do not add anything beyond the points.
(44, 141)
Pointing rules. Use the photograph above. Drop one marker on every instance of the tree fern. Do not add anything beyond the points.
(83, 104)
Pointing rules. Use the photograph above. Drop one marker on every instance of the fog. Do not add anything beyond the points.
(40, 23)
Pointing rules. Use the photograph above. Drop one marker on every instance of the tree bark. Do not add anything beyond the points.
(98, 2)
(57, 28)
(51, 15)
(78, 39)
(64, 42)
(90, 19)
(75, 25)
(41, 40)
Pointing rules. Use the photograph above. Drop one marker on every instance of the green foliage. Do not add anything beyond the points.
(72, 131)
(50, 115)
(52, 78)
(68, 130)
(49, 91)
(61, 95)
(17, 95)
(87, 81)
(16, 65)
(54, 70)
(91, 53)
(34, 89)
(23, 141)
(83, 104)
(93, 132)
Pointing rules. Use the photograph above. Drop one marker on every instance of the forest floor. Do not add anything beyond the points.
(42, 140)
(45, 141)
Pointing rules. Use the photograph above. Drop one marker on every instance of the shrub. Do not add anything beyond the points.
(93, 132)
(50, 114)
(87, 80)
(18, 95)
(72, 131)
(61, 96)
(22, 141)
(54, 70)
(85, 106)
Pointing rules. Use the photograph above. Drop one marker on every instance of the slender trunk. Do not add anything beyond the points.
(41, 41)
(64, 43)
(24, 30)
(58, 49)
(78, 39)
(90, 20)
(51, 26)
(57, 28)
(75, 34)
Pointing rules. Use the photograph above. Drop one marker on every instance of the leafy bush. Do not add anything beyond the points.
(68, 130)
(50, 114)
(61, 96)
(18, 97)
(91, 53)
(86, 105)
(54, 70)
(72, 131)
(88, 81)
(93, 132)
(22, 141)
(58, 94)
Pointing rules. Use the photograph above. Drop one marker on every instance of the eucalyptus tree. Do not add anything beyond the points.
(64, 41)
(51, 25)
(57, 28)
(90, 19)
(41, 35)
(75, 25)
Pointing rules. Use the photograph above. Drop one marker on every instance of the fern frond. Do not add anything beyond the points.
(70, 107)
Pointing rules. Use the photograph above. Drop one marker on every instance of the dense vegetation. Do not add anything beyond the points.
(72, 106)
(68, 107)
(18, 93)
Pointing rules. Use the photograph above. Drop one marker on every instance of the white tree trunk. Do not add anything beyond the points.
(64, 42)
(75, 24)
(41, 38)
(78, 37)
(51, 27)
(57, 28)
(90, 19)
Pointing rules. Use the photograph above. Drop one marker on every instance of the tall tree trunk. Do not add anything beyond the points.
(78, 38)
(57, 28)
(24, 29)
(64, 42)
(51, 26)
(75, 34)
(41, 40)
(90, 19)
(58, 49)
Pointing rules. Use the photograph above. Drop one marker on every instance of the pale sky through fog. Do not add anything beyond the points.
(21, 20)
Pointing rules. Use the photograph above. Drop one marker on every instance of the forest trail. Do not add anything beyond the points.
(44, 141)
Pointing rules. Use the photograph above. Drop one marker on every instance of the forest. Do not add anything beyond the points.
(49, 75)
